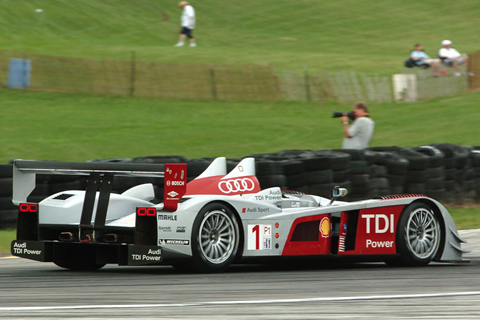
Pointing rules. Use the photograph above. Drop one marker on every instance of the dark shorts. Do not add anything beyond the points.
(187, 31)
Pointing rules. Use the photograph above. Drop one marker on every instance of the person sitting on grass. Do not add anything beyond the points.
(452, 57)
(420, 58)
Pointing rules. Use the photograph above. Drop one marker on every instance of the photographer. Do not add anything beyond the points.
(359, 134)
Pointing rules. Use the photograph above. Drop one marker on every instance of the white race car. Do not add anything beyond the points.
(217, 219)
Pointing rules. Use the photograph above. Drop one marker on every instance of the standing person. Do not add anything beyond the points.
(452, 57)
(359, 134)
(187, 24)
(419, 58)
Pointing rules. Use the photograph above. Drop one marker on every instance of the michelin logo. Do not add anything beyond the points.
(173, 242)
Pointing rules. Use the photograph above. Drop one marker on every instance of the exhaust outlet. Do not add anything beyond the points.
(65, 236)
(110, 237)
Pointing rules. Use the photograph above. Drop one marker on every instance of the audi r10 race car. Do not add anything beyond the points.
(216, 220)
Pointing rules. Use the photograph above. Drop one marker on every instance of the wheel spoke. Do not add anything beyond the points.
(208, 225)
(225, 226)
(414, 243)
(428, 242)
(414, 223)
(217, 221)
(226, 234)
(208, 248)
(217, 252)
(222, 246)
(429, 222)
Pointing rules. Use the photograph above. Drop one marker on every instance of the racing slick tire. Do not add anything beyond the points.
(215, 238)
(419, 234)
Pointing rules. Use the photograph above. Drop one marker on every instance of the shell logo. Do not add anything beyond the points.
(325, 227)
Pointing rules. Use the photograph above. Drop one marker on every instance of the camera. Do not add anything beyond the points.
(338, 114)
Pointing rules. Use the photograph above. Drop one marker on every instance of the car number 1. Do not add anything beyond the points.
(259, 237)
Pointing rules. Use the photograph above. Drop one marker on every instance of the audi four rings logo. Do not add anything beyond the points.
(236, 185)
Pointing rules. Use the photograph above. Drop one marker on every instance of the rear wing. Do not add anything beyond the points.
(99, 177)
(25, 171)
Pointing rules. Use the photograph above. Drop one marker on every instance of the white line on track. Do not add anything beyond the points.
(245, 302)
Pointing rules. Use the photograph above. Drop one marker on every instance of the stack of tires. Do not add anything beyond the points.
(272, 170)
(435, 172)
(358, 175)
(475, 161)
(389, 165)
(443, 171)
(326, 169)
(8, 212)
(459, 176)
(313, 172)
(384, 177)
(425, 171)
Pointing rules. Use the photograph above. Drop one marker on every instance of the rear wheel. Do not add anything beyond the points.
(215, 238)
(419, 235)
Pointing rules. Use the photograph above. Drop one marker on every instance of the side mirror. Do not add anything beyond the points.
(337, 193)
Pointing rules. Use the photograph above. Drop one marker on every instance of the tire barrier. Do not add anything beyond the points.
(8, 212)
(446, 172)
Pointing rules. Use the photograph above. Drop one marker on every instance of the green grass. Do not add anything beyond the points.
(75, 127)
(6, 236)
(354, 35)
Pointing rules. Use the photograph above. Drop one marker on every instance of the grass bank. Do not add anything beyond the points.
(75, 127)
(353, 35)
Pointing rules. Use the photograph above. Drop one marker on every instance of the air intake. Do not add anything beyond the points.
(306, 231)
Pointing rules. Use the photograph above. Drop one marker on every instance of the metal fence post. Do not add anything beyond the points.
(307, 83)
(214, 84)
(132, 74)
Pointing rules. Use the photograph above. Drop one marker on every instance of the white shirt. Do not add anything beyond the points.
(188, 17)
(448, 53)
(361, 132)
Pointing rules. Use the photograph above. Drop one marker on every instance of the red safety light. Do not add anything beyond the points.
(28, 207)
(146, 211)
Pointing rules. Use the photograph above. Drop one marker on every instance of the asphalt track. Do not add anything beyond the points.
(34, 290)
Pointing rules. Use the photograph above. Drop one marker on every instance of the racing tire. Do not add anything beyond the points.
(6, 187)
(437, 159)
(417, 161)
(419, 234)
(215, 238)
(355, 154)
(6, 170)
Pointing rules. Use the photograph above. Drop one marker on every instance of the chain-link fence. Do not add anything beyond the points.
(228, 82)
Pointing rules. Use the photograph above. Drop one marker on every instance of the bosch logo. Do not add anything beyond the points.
(236, 185)
(175, 183)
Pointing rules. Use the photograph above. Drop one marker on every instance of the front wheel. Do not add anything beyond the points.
(215, 238)
(419, 235)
